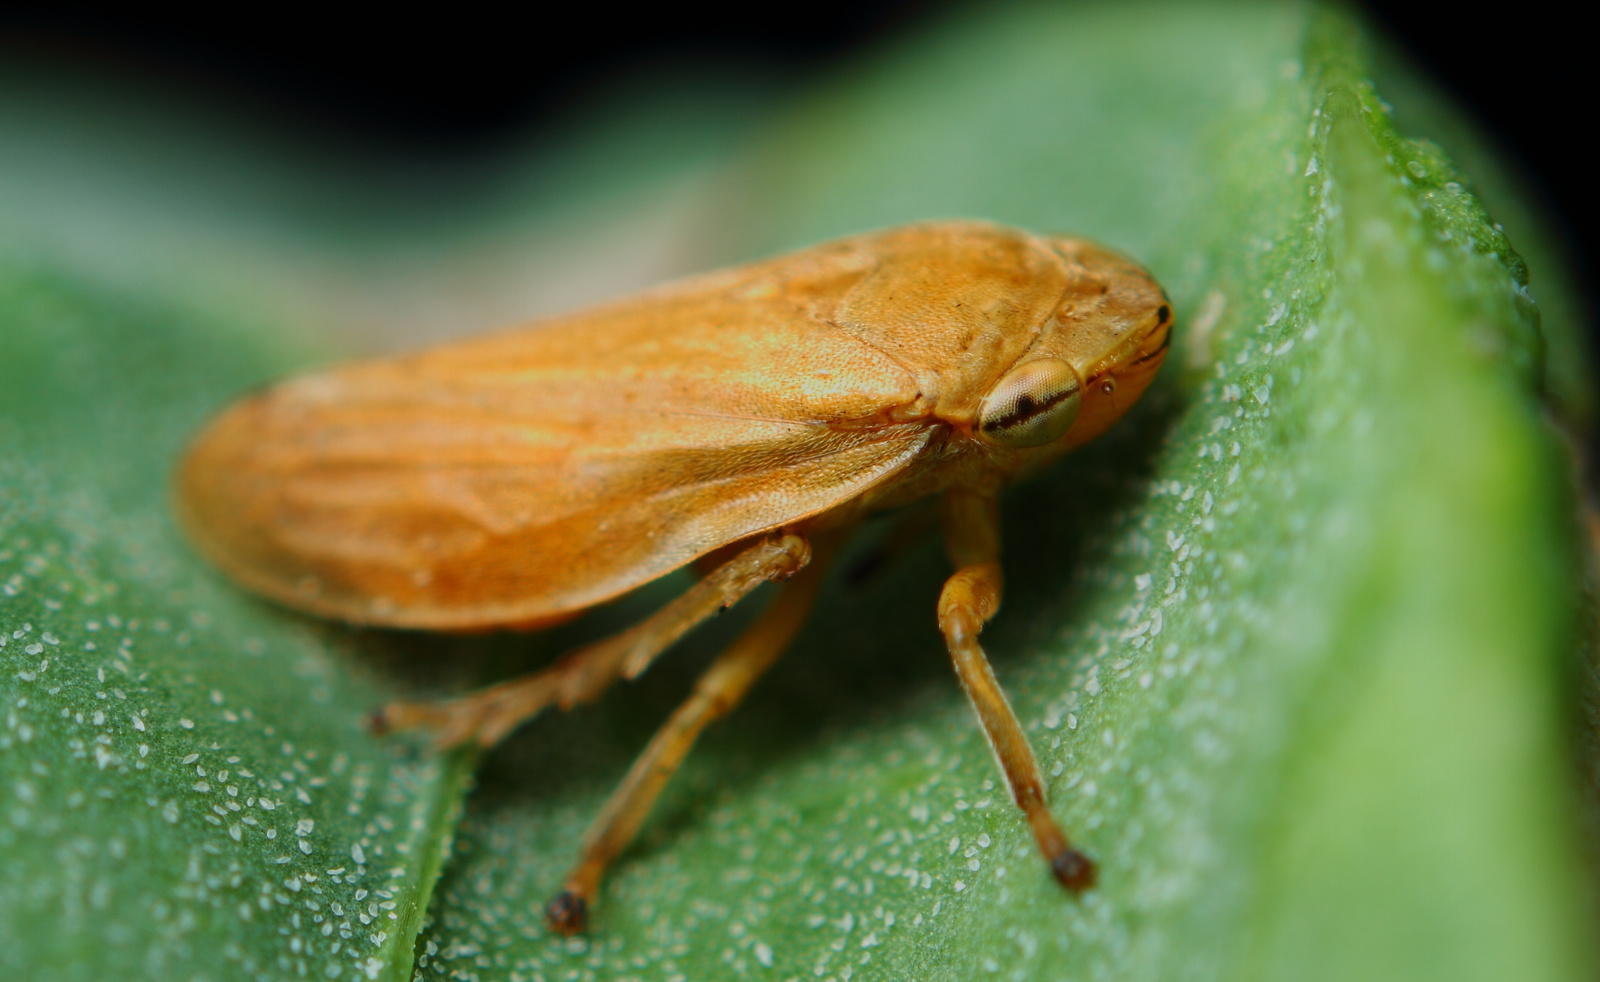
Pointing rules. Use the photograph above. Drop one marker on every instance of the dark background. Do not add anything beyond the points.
(455, 82)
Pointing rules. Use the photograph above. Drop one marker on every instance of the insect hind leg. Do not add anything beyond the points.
(487, 716)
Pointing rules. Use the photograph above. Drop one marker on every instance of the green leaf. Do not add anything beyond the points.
(1293, 643)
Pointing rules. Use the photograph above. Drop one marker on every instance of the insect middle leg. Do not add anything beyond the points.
(721, 688)
(970, 597)
(488, 715)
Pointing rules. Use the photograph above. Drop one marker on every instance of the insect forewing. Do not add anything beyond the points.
(522, 476)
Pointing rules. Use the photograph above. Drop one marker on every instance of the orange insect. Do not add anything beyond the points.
(747, 418)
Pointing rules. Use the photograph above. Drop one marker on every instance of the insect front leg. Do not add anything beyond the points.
(721, 688)
(970, 597)
(487, 716)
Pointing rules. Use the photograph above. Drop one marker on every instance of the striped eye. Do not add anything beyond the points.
(1033, 405)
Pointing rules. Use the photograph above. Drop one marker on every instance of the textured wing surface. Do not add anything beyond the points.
(518, 477)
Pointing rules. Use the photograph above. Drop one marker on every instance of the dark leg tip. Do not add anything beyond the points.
(377, 721)
(567, 914)
(1073, 870)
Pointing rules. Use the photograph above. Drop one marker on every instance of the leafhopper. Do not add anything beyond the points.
(744, 421)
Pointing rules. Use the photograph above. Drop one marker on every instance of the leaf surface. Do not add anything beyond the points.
(1293, 643)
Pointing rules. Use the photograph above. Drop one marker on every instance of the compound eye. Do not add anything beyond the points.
(1033, 405)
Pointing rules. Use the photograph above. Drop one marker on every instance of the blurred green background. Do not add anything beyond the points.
(1301, 645)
